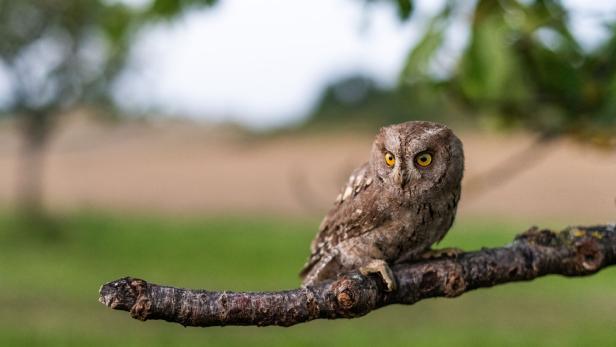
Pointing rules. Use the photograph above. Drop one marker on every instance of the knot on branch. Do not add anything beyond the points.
(141, 308)
(447, 278)
(429, 281)
(118, 295)
(454, 284)
(353, 297)
(127, 294)
(588, 253)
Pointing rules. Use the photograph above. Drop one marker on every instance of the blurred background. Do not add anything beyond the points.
(198, 143)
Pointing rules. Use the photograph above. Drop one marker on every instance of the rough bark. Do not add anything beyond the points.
(575, 251)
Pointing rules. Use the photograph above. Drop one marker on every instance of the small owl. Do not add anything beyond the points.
(394, 207)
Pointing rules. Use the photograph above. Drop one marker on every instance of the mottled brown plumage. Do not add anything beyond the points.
(387, 214)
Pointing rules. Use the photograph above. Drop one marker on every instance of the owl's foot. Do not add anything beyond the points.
(380, 266)
(449, 252)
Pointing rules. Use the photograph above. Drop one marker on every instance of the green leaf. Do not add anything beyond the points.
(422, 54)
(165, 8)
(405, 9)
(490, 72)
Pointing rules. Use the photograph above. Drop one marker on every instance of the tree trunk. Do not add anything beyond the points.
(35, 134)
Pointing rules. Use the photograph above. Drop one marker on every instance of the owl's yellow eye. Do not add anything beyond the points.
(423, 159)
(390, 160)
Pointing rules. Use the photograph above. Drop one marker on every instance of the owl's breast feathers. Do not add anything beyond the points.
(355, 212)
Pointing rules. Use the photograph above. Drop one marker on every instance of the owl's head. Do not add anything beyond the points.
(418, 157)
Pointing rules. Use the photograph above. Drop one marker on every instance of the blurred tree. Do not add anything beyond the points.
(521, 67)
(59, 54)
(359, 101)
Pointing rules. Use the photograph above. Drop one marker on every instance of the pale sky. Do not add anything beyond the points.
(264, 63)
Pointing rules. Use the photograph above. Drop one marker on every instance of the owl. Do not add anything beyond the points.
(394, 207)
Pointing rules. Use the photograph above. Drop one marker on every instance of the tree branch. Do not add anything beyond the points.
(575, 251)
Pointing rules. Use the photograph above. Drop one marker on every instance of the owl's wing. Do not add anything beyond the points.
(355, 212)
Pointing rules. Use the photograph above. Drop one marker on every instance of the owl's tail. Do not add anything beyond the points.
(318, 268)
(309, 265)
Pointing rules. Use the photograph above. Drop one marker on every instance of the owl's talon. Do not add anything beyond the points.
(449, 252)
(380, 266)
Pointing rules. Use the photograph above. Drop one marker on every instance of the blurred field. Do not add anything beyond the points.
(187, 168)
(48, 289)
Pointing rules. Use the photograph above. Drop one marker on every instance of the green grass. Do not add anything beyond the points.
(49, 288)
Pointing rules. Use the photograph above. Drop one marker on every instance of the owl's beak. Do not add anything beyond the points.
(398, 177)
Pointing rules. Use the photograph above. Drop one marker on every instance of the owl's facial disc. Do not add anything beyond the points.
(417, 159)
